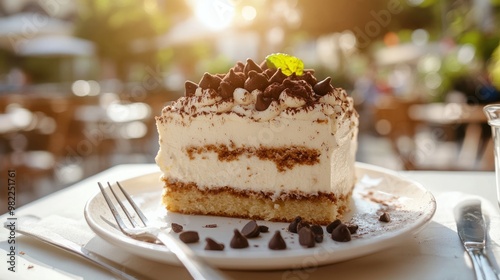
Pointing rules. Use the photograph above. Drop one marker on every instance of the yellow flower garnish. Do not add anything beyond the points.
(288, 64)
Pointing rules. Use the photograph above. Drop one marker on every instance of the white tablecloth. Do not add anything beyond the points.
(433, 253)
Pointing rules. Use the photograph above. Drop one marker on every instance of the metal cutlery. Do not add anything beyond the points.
(60, 242)
(472, 232)
(144, 230)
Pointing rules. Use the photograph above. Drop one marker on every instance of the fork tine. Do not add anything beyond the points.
(136, 208)
(111, 206)
(125, 210)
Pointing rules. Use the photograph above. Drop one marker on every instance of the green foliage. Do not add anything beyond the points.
(115, 26)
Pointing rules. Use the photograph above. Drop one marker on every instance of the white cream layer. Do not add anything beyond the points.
(334, 135)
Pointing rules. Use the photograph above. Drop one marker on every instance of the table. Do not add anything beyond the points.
(433, 253)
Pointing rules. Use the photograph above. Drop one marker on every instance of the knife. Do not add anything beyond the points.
(472, 232)
(60, 242)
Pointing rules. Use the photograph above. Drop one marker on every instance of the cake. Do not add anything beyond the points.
(264, 141)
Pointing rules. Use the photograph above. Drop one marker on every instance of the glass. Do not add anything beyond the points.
(493, 113)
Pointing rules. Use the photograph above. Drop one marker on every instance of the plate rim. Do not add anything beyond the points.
(219, 258)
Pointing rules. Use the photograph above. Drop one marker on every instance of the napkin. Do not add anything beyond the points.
(79, 232)
(28, 269)
(443, 231)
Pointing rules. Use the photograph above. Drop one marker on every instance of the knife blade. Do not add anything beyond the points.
(58, 241)
(472, 232)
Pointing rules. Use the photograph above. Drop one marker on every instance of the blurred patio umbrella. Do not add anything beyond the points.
(17, 28)
(56, 46)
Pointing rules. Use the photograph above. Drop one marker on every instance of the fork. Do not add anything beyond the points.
(197, 267)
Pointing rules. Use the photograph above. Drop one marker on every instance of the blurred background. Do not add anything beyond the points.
(81, 81)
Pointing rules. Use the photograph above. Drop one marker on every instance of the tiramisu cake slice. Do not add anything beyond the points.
(266, 142)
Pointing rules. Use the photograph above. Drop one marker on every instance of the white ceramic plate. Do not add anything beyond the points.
(378, 190)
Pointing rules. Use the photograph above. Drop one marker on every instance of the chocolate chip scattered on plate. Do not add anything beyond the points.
(213, 245)
(306, 237)
(341, 233)
(330, 227)
(277, 242)
(251, 230)
(176, 227)
(189, 236)
(238, 241)
(385, 217)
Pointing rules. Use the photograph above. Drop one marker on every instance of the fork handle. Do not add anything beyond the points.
(482, 266)
(196, 266)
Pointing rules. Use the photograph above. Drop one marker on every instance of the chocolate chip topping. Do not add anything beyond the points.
(238, 241)
(385, 217)
(251, 66)
(210, 81)
(263, 65)
(323, 87)
(190, 88)
(189, 236)
(292, 227)
(263, 229)
(239, 67)
(278, 77)
(212, 245)
(333, 225)
(341, 233)
(270, 72)
(274, 90)
(226, 90)
(309, 78)
(262, 102)
(235, 79)
(306, 237)
(256, 81)
(277, 242)
(251, 230)
(272, 82)
(176, 227)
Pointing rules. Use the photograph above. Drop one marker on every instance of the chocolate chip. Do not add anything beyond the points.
(238, 241)
(189, 237)
(263, 65)
(385, 217)
(212, 245)
(210, 81)
(298, 88)
(210, 226)
(251, 66)
(274, 90)
(263, 229)
(333, 225)
(239, 67)
(278, 77)
(176, 227)
(251, 230)
(256, 81)
(262, 102)
(309, 78)
(270, 72)
(341, 233)
(292, 227)
(226, 90)
(323, 87)
(306, 237)
(352, 228)
(277, 242)
(302, 224)
(236, 79)
(190, 88)
(318, 233)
